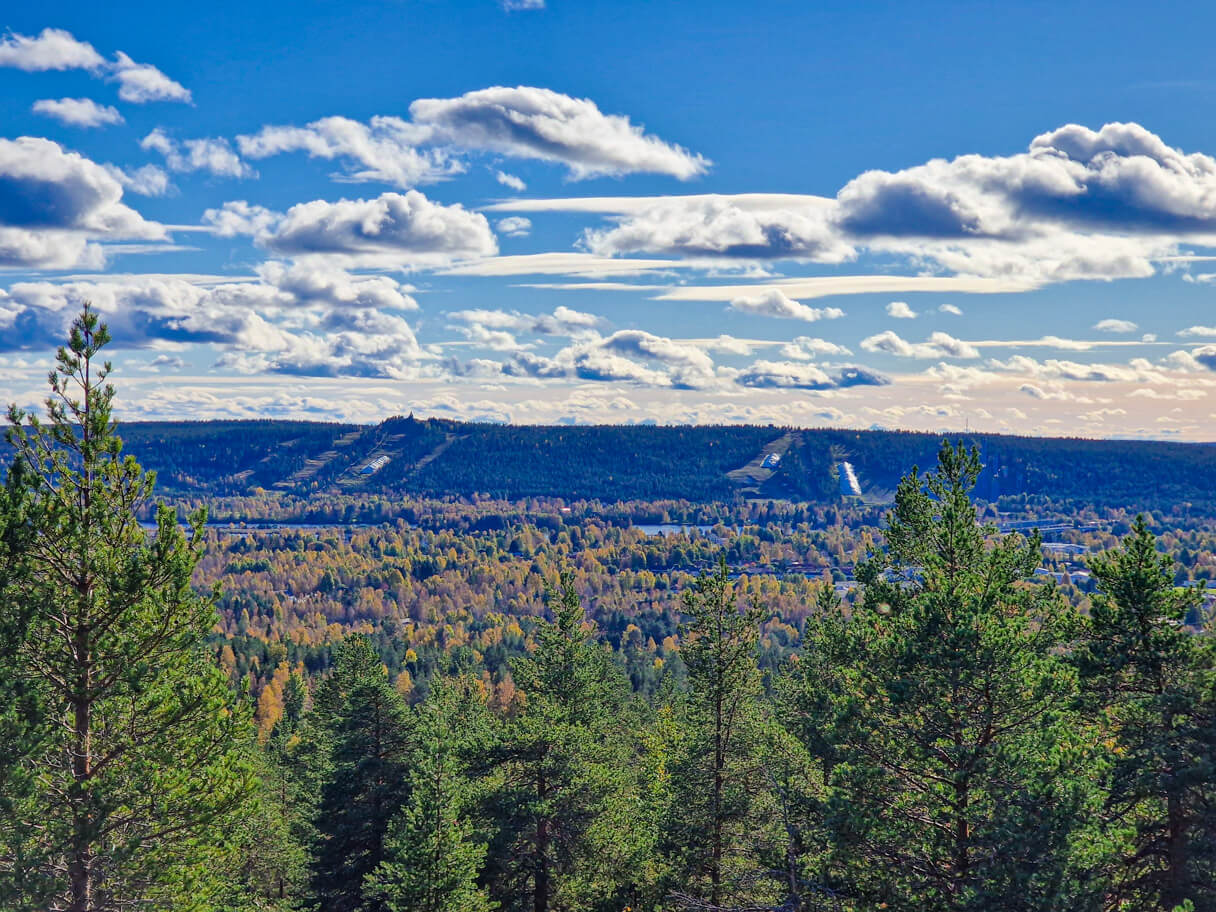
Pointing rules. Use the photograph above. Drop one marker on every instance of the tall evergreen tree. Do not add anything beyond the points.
(716, 825)
(433, 856)
(141, 761)
(941, 713)
(23, 730)
(566, 836)
(361, 734)
(268, 867)
(1150, 685)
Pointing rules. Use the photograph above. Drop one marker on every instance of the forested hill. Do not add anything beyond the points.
(706, 463)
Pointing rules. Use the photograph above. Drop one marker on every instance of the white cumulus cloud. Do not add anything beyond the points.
(405, 229)
(57, 49)
(215, 156)
(140, 83)
(1113, 325)
(54, 204)
(938, 345)
(385, 149)
(52, 49)
(77, 112)
(514, 226)
(774, 303)
(530, 122)
(510, 180)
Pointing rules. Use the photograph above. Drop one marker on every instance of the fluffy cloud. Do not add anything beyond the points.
(1136, 370)
(642, 344)
(215, 156)
(321, 284)
(900, 311)
(510, 180)
(166, 362)
(53, 203)
(385, 149)
(1198, 358)
(1120, 177)
(606, 367)
(711, 226)
(1112, 325)
(77, 112)
(564, 321)
(805, 348)
(774, 303)
(529, 122)
(950, 309)
(791, 375)
(520, 122)
(146, 180)
(239, 217)
(56, 49)
(140, 83)
(514, 226)
(630, 356)
(293, 320)
(784, 375)
(53, 49)
(401, 229)
(729, 345)
(938, 345)
(1077, 204)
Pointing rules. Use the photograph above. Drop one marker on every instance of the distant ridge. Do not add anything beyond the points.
(439, 457)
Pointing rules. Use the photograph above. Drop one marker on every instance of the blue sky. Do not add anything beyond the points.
(933, 215)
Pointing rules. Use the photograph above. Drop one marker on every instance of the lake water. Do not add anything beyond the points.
(671, 528)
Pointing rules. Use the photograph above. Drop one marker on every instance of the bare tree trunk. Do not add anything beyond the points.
(962, 835)
(540, 897)
(1176, 873)
(80, 874)
(715, 866)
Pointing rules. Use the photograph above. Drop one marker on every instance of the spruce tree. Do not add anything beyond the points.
(140, 764)
(433, 856)
(1149, 684)
(941, 713)
(361, 739)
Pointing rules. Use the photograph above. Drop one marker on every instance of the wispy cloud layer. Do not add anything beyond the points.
(390, 293)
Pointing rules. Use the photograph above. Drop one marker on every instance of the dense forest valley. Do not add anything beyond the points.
(434, 667)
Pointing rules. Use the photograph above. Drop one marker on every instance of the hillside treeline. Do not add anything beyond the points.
(438, 458)
(956, 738)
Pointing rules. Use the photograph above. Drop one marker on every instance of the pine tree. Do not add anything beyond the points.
(361, 734)
(566, 835)
(23, 730)
(1150, 685)
(269, 864)
(433, 856)
(142, 760)
(715, 834)
(940, 712)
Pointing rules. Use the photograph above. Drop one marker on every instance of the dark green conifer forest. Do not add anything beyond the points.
(956, 736)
